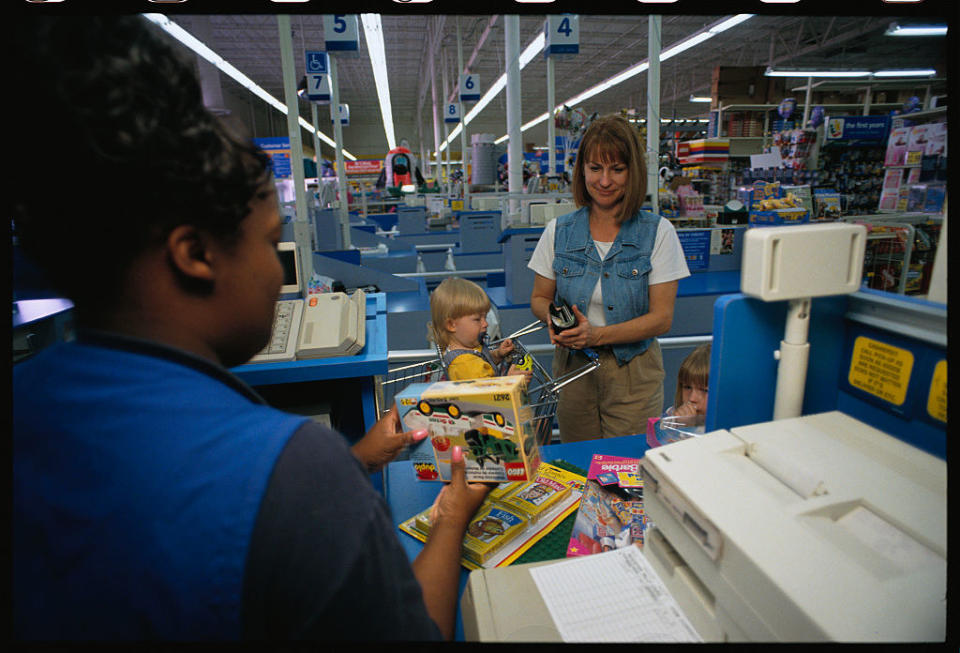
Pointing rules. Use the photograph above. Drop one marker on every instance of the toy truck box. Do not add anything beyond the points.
(490, 419)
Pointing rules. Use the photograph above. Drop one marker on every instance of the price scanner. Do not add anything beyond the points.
(320, 326)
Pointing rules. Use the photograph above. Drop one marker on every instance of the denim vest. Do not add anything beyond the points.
(623, 273)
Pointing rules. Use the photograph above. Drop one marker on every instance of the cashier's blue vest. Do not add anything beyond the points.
(137, 481)
(623, 274)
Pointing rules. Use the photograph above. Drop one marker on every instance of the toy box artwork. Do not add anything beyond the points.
(489, 530)
(490, 419)
(610, 515)
(535, 498)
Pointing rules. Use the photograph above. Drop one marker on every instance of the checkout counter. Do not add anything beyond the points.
(827, 526)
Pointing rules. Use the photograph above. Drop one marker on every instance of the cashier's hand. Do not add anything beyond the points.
(458, 500)
(578, 337)
(384, 441)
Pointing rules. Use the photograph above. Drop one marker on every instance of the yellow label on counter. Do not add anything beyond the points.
(937, 400)
(456, 205)
(881, 369)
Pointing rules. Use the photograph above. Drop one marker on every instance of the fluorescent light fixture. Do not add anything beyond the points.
(373, 31)
(920, 72)
(408, 188)
(201, 49)
(700, 98)
(784, 72)
(532, 50)
(896, 29)
(641, 66)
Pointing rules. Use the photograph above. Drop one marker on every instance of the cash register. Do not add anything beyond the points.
(321, 326)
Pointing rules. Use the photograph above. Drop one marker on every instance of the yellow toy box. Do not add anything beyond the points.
(489, 530)
(490, 419)
(535, 498)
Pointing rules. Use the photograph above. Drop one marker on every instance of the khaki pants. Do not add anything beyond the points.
(611, 401)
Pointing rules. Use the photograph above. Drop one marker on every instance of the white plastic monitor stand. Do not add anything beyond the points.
(798, 263)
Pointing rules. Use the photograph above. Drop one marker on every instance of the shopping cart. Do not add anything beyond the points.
(542, 390)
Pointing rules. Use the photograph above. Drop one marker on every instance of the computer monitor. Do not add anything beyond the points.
(290, 259)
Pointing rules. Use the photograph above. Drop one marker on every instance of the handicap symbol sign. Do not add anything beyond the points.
(316, 61)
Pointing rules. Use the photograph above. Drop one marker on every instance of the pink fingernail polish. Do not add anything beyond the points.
(457, 454)
(419, 434)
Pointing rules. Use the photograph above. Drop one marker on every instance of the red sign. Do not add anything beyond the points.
(363, 166)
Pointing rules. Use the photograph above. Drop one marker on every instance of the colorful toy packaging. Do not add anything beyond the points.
(489, 530)
(610, 515)
(536, 498)
(490, 419)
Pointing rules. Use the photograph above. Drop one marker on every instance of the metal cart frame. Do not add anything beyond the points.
(543, 392)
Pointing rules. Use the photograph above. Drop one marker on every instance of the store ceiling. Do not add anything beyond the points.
(608, 44)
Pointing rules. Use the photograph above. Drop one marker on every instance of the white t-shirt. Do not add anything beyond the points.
(667, 263)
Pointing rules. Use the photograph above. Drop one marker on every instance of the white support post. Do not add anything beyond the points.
(551, 125)
(463, 124)
(653, 111)
(338, 139)
(301, 227)
(514, 148)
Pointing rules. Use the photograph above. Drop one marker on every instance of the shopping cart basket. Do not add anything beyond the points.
(542, 390)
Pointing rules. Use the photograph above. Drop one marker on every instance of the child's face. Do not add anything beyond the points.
(466, 330)
(695, 395)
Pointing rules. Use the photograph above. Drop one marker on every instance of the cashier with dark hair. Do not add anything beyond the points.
(155, 495)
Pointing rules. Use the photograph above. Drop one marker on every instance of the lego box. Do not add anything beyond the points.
(490, 419)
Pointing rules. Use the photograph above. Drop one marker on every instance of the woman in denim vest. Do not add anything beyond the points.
(617, 267)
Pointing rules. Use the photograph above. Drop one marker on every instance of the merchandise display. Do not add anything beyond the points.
(914, 178)
(768, 205)
(855, 170)
(795, 146)
(512, 518)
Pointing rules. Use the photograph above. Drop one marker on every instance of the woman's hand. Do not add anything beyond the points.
(384, 441)
(578, 337)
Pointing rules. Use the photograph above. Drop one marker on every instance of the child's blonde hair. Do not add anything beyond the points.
(453, 298)
(694, 370)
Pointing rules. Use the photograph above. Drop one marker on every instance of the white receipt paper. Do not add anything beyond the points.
(611, 597)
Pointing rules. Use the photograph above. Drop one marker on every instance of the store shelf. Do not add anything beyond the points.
(923, 115)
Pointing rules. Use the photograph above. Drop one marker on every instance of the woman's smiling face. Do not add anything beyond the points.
(606, 179)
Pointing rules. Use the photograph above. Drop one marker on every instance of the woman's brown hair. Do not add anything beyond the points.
(607, 138)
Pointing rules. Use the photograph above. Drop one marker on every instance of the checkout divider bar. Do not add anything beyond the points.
(449, 273)
(409, 355)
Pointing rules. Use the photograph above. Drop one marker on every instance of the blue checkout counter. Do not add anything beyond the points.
(877, 357)
(343, 385)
